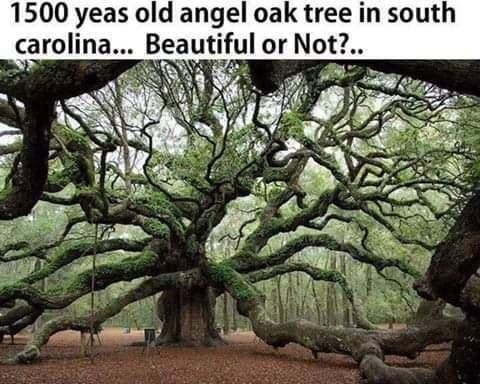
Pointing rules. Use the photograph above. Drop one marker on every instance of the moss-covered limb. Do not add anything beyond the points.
(12, 247)
(10, 149)
(289, 174)
(375, 371)
(98, 211)
(324, 241)
(16, 314)
(213, 206)
(31, 352)
(63, 256)
(319, 275)
(413, 340)
(76, 156)
(158, 207)
(106, 145)
(246, 258)
(13, 328)
(368, 348)
(315, 273)
(58, 200)
(39, 253)
(145, 264)
(273, 206)
(458, 76)
(328, 161)
(156, 214)
(111, 141)
(54, 80)
(223, 275)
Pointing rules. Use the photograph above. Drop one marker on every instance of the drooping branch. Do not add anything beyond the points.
(329, 242)
(368, 348)
(146, 264)
(31, 352)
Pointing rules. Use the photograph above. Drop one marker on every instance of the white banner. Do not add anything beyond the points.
(236, 29)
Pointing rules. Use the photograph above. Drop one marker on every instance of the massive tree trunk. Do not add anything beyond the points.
(188, 317)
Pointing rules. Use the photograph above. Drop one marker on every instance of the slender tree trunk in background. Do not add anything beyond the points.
(155, 320)
(332, 306)
(298, 295)
(135, 321)
(188, 317)
(275, 309)
(234, 315)
(346, 305)
(226, 318)
(305, 294)
(318, 307)
(290, 307)
(281, 311)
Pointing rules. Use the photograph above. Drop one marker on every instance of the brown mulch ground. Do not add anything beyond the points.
(244, 360)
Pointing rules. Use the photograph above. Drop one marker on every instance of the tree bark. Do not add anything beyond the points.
(457, 76)
(459, 285)
(188, 317)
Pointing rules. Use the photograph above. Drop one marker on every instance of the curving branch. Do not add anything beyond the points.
(459, 76)
(368, 348)
(31, 351)
(146, 264)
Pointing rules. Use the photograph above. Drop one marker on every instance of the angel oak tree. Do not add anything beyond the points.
(169, 149)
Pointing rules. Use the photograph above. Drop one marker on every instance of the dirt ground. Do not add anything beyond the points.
(244, 360)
